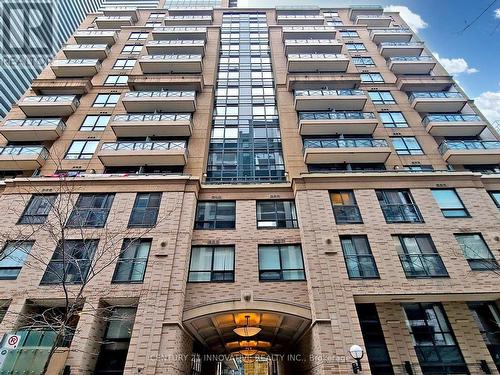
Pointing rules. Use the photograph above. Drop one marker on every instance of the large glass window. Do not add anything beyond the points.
(371, 78)
(81, 150)
(358, 257)
(355, 47)
(393, 120)
(487, 318)
(138, 36)
(145, 210)
(276, 214)
(132, 262)
(91, 210)
(495, 195)
(345, 207)
(106, 100)
(433, 339)
(38, 208)
(132, 49)
(116, 80)
(122, 64)
(71, 262)
(419, 256)
(398, 206)
(381, 97)
(281, 263)
(477, 252)
(12, 258)
(363, 61)
(211, 264)
(95, 123)
(407, 146)
(215, 215)
(449, 202)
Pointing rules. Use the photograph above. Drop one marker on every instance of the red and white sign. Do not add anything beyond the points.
(12, 341)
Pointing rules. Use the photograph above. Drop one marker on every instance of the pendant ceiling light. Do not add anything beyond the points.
(248, 352)
(247, 330)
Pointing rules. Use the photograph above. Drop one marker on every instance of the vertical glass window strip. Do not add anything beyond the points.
(358, 257)
(245, 143)
(495, 195)
(487, 318)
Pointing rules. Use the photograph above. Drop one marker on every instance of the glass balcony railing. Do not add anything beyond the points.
(182, 57)
(300, 16)
(469, 145)
(452, 117)
(401, 44)
(86, 46)
(175, 42)
(401, 213)
(317, 56)
(34, 122)
(436, 95)
(366, 7)
(336, 115)
(174, 29)
(147, 117)
(329, 93)
(141, 146)
(160, 94)
(188, 18)
(312, 41)
(113, 18)
(423, 265)
(309, 28)
(91, 62)
(410, 59)
(50, 98)
(392, 31)
(24, 150)
(372, 16)
(345, 143)
(95, 32)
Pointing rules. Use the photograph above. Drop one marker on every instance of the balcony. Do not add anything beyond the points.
(393, 35)
(188, 11)
(358, 10)
(424, 83)
(452, 124)
(165, 47)
(171, 64)
(56, 86)
(153, 125)
(95, 37)
(187, 20)
(297, 46)
(159, 101)
(161, 153)
(32, 129)
(347, 150)
(49, 105)
(72, 68)
(317, 62)
(284, 10)
(391, 49)
(309, 81)
(86, 51)
(121, 12)
(155, 82)
(328, 100)
(330, 123)
(300, 19)
(113, 22)
(470, 152)
(24, 158)
(372, 20)
(411, 64)
(438, 102)
(179, 33)
(305, 32)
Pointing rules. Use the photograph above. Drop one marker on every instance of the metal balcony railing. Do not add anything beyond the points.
(410, 59)
(345, 143)
(309, 28)
(401, 44)
(154, 94)
(175, 42)
(77, 62)
(423, 265)
(336, 115)
(373, 16)
(451, 117)
(317, 56)
(468, 145)
(96, 32)
(392, 31)
(401, 213)
(146, 117)
(133, 146)
(86, 46)
(436, 95)
(346, 92)
(187, 17)
(312, 41)
(33, 122)
(347, 214)
(180, 57)
(25, 150)
(50, 98)
(295, 16)
(174, 29)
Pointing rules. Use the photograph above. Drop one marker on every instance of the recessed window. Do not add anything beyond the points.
(281, 263)
(358, 257)
(355, 47)
(138, 36)
(211, 264)
(406, 146)
(131, 264)
(38, 209)
(419, 256)
(71, 262)
(14, 255)
(132, 49)
(398, 206)
(393, 120)
(276, 214)
(495, 195)
(116, 80)
(122, 64)
(91, 210)
(81, 150)
(95, 123)
(345, 207)
(215, 215)
(381, 97)
(371, 78)
(477, 252)
(450, 203)
(363, 61)
(106, 100)
(145, 211)
(349, 34)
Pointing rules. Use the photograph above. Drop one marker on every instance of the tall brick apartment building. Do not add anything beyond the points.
(311, 174)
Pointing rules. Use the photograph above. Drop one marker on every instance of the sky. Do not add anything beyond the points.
(472, 56)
